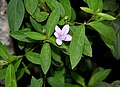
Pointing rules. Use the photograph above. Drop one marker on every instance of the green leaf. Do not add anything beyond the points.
(88, 10)
(36, 83)
(35, 35)
(15, 14)
(67, 6)
(45, 57)
(26, 68)
(50, 25)
(77, 45)
(106, 16)
(78, 78)
(21, 45)
(99, 77)
(37, 26)
(40, 16)
(3, 51)
(10, 79)
(73, 15)
(33, 57)
(87, 48)
(58, 6)
(95, 5)
(57, 80)
(20, 35)
(2, 73)
(20, 73)
(31, 6)
(17, 63)
(106, 32)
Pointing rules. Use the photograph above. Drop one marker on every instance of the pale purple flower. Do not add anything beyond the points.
(62, 35)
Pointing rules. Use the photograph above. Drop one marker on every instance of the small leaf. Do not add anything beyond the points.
(15, 14)
(88, 10)
(67, 6)
(36, 83)
(50, 25)
(45, 57)
(3, 51)
(35, 35)
(99, 76)
(40, 16)
(78, 78)
(17, 63)
(26, 68)
(20, 73)
(106, 16)
(10, 79)
(33, 57)
(77, 45)
(37, 26)
(31, 6)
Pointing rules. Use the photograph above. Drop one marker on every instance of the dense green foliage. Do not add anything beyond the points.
(32, 26)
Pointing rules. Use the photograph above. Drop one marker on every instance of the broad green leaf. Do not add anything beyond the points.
(2, 73)
(78, 78)
(50, 25)
(77, 45)
(67, 6)
(37, 26)
(20, 35)
(40, 16)
(87, 48)
(15, 14)
(95, 5)
(35, 35)
(31, 5)
(3, 51)
(58, 6)
(88, 10)
(99, 77)
(50, 4)
(33, 57)
(106, 32)
(36, 82)
(45, 57)
(57, 80)
(106, 16)
(10, 79)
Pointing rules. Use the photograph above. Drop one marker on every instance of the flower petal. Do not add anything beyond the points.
(59, 42)
(68, 38)
(57, 29)
(65, 29)
(56, 34)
